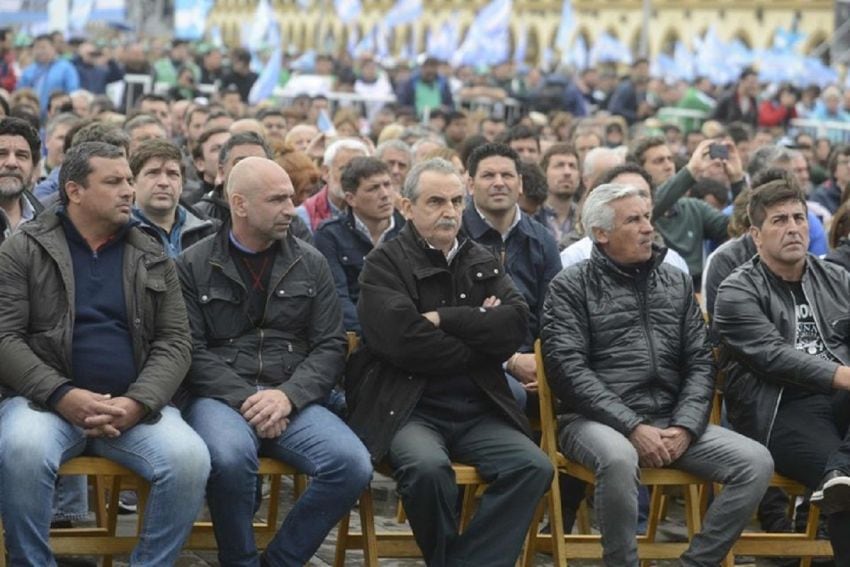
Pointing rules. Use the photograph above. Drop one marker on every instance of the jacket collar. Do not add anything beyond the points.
(476, 226)
(290, 251)
(601, 259)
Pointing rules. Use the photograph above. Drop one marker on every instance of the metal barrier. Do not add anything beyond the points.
(834, 131)
(685, 118)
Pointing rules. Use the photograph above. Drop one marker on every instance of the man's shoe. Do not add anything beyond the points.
(834, 493)
(127, 502)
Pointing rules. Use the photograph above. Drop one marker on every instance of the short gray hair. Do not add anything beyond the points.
(437, 165)
(594, 156)
(65, 118)
(767, 157)
(344, 144)
(393, 145)
(597, 211)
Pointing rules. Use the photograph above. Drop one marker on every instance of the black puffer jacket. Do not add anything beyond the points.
(755, 319)
(404, 278)
(623, 348)
(300, 345)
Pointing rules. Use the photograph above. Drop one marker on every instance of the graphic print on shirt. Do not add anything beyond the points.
(808, 337)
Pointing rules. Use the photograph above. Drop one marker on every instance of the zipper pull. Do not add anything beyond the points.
(289, 347)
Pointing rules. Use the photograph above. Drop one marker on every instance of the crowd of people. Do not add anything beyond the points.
(178, 273)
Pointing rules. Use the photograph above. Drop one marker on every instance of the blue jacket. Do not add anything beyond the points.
(624, 102)
(94, 78)
(529, 256)
(407, 92)
(58, 75)
(827, 194)
(346, 248)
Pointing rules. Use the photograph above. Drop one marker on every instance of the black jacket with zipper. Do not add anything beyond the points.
(299, 346)
(755, 319)
(625, 347)
(402, 279)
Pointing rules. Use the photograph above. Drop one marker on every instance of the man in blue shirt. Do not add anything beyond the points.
(48, 73)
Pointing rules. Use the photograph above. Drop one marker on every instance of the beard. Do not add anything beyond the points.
(11, 186)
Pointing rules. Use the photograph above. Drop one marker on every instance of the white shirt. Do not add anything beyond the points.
(580, 251)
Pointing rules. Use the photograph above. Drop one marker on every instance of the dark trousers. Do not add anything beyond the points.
(810, 437)
(517, 471)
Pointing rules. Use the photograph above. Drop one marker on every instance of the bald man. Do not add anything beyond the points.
(268, 348)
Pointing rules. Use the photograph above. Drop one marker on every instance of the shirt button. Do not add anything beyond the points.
(463, 296)
(392, 412)
(281, 292)
(495, 270)
(345, 258)
(204, 297)
(479, 275)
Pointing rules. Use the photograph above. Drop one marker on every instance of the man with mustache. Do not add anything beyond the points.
(440, 316)
(94, 341)
(20, 152)
(782, 319)
(625, 349)
(158, 174)
(268, 347)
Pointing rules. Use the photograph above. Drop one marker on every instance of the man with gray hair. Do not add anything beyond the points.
(398, 156)
(439, 317)
(329, 202)
(636, 382)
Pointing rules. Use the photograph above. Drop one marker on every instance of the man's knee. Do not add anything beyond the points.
(424, 470)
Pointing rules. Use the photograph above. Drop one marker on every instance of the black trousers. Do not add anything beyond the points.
(517, 471)
(810, 437)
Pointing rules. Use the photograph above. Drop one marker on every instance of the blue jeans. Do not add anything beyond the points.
(316, 442)
(34, 443)
(742, 465)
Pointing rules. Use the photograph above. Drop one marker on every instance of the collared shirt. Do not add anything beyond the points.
(452, 253)
(171, 241)
(27, 214)
(550, 220)
(514, 223)
(361, 226)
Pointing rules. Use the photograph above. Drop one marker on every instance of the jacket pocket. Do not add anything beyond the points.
(290, 305)
(222, 310)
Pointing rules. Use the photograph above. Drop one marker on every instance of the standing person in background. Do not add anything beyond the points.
(48, 73)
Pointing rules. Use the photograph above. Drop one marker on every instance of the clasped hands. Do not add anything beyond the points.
(659, 447)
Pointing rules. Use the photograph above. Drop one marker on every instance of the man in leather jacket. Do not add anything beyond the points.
(441, 316)
(626, 351)
(783, 319)
(268, 347)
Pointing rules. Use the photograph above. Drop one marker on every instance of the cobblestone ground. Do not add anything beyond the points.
(385, 507)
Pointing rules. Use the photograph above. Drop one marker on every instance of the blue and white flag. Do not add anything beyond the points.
(305, 63)
(324, 123)
(565, 27)
(404, 12)
(609, 49)
(577, 55)
(487, 39)
(261, 24)
(80, 14)
(442, 43)
(265, 84)
(109, 11)
(683, 61)
(366, 45)
(190, 17)
(786, 40)
(353, 39)
(215, 37)
(382, 45)
(521, 46)
(348, 10)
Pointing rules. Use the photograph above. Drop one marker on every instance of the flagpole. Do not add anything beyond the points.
(644, 28)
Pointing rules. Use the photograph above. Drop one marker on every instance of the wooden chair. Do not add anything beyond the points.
(106, 478)
(777, 544)
(398, 544)
(585, 546)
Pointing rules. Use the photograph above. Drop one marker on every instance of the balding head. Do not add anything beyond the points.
(260, 195)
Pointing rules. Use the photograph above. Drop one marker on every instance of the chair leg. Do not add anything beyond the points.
(342, 540)
(655, 506)
(367, 523)
(692, 510)
(2, 545)
(400, 514)
(467, 507)
(556, 522)
(530, 549)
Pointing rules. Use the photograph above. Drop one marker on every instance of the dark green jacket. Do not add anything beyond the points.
(685, 222)
(37, 314)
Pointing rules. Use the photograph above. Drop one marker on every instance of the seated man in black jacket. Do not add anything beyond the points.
(268, 347)
(626, 352)
(783, 322)
(442, 316)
